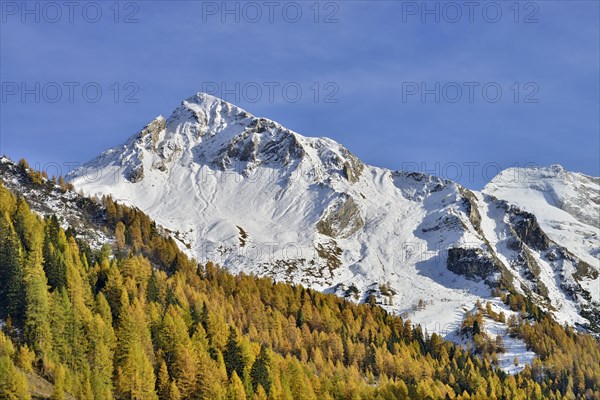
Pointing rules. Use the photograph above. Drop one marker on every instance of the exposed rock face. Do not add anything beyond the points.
(416, 186)
(584, 270)
(255, 146)
(244, 148)
(470, 203)
(473, 263)
(341, 220)
(153, 130)
(528, 230)
(353, 167)
(330, 253)
(566, 205)
(160, 165)
(136, 174)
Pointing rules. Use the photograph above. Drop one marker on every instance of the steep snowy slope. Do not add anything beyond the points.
(256, 197)
(566, 206)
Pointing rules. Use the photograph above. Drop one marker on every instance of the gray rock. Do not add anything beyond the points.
(341, 220)
(528, 230)
(472, 263)
(136, 174)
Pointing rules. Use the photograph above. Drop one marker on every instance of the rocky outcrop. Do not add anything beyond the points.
(585, 271)
(160, 165)
(135, 174)
(330, 253)
(262, 142)
(243, 148)
(527, 229)
(416, 186)
(153, 130)
(470, 203)
(353, 167)
(472, 263)
(341, 220)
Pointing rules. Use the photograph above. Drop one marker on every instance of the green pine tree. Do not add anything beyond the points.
(12, 285)
(261, 370)
(233, 355)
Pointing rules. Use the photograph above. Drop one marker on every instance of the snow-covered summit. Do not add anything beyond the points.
(574, 193)
(567, 204)
(205, 130)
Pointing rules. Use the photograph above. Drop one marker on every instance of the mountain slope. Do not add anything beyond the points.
(111, 323)
(567, 204)
(46, 197)
(256, 197)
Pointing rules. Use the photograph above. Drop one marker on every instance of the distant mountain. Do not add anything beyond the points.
(256, 197)
(567, 204)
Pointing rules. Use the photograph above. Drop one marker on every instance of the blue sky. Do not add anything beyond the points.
(399, 88)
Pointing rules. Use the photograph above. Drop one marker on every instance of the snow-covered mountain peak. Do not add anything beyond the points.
(227, 136)
(254, 196)
(203, 114)
(538, 189)
(533, 176)
(207, 131)
(566, 204)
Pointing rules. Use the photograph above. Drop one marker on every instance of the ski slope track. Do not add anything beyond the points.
(255, 197)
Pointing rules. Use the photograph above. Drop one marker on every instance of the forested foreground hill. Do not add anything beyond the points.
(137, 319)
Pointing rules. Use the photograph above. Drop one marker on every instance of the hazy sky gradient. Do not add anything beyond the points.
(366, 61)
